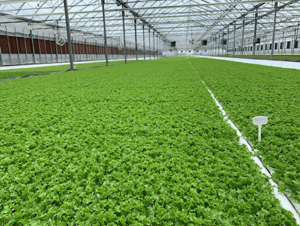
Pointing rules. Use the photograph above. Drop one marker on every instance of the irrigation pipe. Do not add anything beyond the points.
(283, 199)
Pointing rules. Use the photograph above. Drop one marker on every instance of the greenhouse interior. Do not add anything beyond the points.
(150, 112)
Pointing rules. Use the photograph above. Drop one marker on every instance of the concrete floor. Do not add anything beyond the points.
(273, 63)
(57, 64)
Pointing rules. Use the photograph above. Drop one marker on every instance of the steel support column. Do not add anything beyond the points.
(214, 39)
(8, 46)
(222, 42)
(233, 54)
(157, 45)
(274, 26)
(293, 44)
(66, 52)
(25, 46)
(56, 52)
(111, 49)
(81, 47)
(61, 56)
(68, 34)
(135, 38)
(159, 49)
(76, 50)
(86, 50)
(243, 31)
(73, 48)
(40, 54)
(94, 45)
(45, 49)
(219, 45)
(266, 44)
(1, 57)
(144, 42)
(254, 38)
(51, 47)
(123, 15)
(153, 46)
(284, 43)
(149, 44)
(32, 47)
(216, 45)
(227, 41)
(17, 46)
(79, 50)
(97, 55)
(104, 27)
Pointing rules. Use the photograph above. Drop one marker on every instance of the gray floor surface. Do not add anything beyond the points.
(273, 63)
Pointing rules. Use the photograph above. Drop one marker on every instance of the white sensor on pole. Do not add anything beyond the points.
(259, 121)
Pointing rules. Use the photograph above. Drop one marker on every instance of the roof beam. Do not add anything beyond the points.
(253, 20)
(167, 7)
(186, 22)
(138, 16)
(242, 16)
(272, 11)
(29, 21)
(154, 7)
(157, 17)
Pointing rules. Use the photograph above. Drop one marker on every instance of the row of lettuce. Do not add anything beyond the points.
(246, 91)
(139, 144)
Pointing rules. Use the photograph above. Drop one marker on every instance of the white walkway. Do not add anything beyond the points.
(65, 63)
(273, 63)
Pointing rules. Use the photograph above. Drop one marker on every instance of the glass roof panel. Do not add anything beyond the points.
(183, 21)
